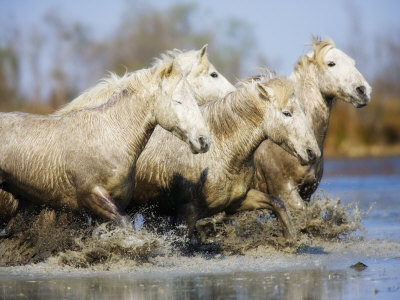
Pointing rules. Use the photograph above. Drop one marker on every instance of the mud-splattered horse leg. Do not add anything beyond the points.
(276, 183)
(187, 214)
(101, 203)
(269, 179)
(293, 199)
(8, 208)
(257, 200)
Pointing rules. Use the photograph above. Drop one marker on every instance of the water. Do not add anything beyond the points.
(371, 181)
(320, 270)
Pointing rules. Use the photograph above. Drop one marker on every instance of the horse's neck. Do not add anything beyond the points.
(237, 132)
(318, 108)
(131, 120)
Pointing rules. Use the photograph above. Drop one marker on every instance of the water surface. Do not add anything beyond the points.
(321, 271)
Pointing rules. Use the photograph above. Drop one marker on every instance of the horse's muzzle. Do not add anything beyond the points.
(200, 145)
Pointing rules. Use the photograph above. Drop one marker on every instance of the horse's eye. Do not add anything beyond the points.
(178, 101)
(331, 64)
(287, 114)
(214, 74)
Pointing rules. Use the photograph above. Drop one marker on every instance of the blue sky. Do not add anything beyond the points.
(281, 28)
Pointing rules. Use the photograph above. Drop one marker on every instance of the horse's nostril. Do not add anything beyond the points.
(203, 141)
(361, 90)
(311, 155)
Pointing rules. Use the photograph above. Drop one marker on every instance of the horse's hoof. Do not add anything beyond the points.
(290, 235)
(125, 222)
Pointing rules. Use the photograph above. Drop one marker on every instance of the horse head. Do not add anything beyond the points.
(206, 82)
(337, 74)
(285, 122)
(176, 109)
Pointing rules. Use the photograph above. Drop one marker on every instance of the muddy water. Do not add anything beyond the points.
(252, 262)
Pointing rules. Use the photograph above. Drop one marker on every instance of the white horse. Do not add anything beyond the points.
(202, 77)
(85, 159)
(320, 78)
(191, 187)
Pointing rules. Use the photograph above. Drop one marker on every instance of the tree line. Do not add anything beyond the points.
(53, 63)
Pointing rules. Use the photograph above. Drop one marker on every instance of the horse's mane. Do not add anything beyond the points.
(265, 75)
(132, 81)
(184, 59)
(228, 115)
(168, 55)
(316, 57)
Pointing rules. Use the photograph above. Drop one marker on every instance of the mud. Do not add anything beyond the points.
(66, 241)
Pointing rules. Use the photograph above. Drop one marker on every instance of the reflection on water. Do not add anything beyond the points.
(319, 275)
(377, 281)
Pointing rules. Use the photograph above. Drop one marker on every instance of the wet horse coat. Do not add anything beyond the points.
(320, 78)
(204, 80)
(191, 187)
(85, 159)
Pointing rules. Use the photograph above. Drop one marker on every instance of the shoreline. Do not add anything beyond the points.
(363, 152)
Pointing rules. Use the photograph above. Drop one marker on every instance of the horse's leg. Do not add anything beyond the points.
(101, 203)
(8, 207)
(187, 214)
(283, 188)
(257, 200)
(293, 199)
(277, 173)
(8, 204)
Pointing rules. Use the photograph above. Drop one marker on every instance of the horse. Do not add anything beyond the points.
(86, 159)
(189, 187)
(205, 81)
(320, 78)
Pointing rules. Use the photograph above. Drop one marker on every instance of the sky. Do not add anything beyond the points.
(282, 29)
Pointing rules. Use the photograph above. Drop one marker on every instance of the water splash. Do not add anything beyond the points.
(63, 240)
(324, 219)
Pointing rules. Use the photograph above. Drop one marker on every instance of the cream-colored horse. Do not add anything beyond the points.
(204, 80)
(191, 187)
(320, 78)
(86, 158)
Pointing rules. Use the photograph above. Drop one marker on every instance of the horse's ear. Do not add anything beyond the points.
(203, 50)
(265, 93)
(169, 70)
(203, 54)
(162, 72)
